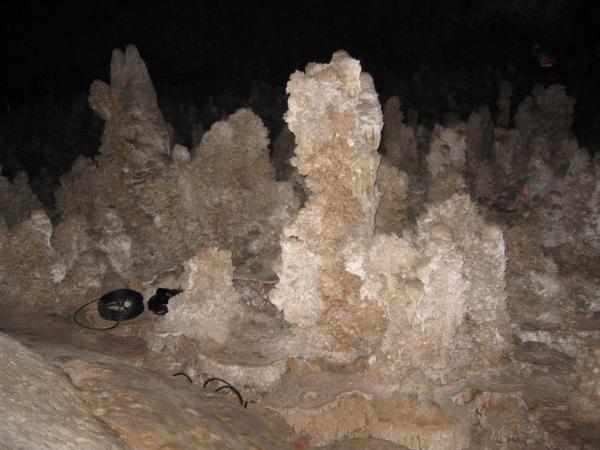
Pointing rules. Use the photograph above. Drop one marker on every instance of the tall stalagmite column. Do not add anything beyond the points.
(336, 118)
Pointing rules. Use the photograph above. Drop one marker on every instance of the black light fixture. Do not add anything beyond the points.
(121, 305)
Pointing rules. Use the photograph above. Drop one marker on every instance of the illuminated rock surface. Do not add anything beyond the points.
(442, 295)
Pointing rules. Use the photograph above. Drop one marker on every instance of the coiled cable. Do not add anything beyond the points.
(86, 326)
(118, 305)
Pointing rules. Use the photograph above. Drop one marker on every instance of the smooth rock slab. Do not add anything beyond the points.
(39, 408)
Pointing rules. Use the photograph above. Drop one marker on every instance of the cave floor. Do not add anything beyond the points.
(142, 403)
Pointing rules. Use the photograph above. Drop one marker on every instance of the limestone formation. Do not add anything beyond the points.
(238, 203)
(370, 275)
(551, 285)
(209, 304)
(479, 174)
(336, 118)
(105, 193)
(463, 262)
(510, 161)
(547, 111)
(498, 159)
(149, 207)
(403, 146)
(446, 162)
(445, 295)
(431, 300)
(442, 295)
(30, 267)
(393, 186)
(17, 200)
(399, 141)
(82, 393)
(130, 109)
(283, 151)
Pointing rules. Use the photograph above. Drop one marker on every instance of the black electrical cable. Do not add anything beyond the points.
(86, 326)
(227, 385)
(214, 379)
(209, 380)
(239, 396)
(183, 374)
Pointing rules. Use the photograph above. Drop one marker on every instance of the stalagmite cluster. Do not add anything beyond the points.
(426, 299)
(433, 287)
(150, 207)
(360, 287)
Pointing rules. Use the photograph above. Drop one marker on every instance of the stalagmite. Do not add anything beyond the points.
(336, 118)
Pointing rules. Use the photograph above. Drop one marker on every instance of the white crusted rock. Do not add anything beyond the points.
(209, 303)
(180, 153)
(337, 121)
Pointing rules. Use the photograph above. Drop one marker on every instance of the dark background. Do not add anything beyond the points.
(52, 51)
(59, 47)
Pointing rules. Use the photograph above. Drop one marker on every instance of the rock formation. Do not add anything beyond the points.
(31, 268)
(149, 207)
(17, 200)
(399, 141)
(392, 185)
(208, 305)
(337, 121)
(442, 295)
(430, 302)
(41, 408)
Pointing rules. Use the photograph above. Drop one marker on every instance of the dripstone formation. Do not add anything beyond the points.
(370, 283)
(149, 207)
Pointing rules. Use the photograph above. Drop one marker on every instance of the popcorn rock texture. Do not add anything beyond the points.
(428, 299)
(336, 118)
(130, 109)
(548, 111)
(208, 305)
(26, 251)
(148, 208)
(498, 159)
(424, 301)
(230, 186)
(399, 140)
(446, 305)
(463, 263)
(392, 185)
